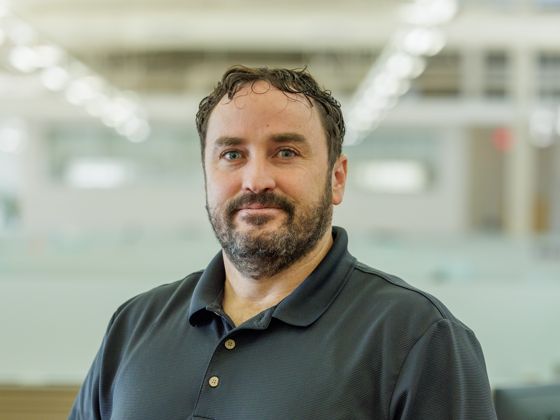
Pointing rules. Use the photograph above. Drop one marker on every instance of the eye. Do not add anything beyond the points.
(286, 153)
(232, 155)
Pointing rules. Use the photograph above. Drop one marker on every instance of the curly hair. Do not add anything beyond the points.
(297, 81)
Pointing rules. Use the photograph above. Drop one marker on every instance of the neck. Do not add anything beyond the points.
(245, 296)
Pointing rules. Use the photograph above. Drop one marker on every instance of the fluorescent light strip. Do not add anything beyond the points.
(58, 72)
(398, 64)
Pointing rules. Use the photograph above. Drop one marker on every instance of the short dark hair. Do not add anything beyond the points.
(297, 81)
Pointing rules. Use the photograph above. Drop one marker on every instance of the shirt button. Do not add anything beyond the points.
(230, 344)
(214, 381)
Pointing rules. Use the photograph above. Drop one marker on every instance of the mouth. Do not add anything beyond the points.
(255, 211)
(258, 214)
(257, 206)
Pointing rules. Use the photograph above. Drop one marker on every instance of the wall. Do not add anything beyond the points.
(51, 207)
(442, 209)
(54, 310)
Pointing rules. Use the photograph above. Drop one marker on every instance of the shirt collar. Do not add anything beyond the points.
(304, 305)
(206, 292)
(313, 297)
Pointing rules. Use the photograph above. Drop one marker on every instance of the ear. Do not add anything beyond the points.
(338, 180)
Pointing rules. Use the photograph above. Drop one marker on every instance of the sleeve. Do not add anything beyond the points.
(443, 378)
(88, 404)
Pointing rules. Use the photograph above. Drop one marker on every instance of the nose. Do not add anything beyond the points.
(258, 176)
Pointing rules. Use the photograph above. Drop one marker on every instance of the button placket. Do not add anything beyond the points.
(214, 381)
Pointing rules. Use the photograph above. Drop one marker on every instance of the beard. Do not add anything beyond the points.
(260, 254)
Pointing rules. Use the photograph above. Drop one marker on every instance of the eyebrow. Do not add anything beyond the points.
(226, 141)
(289, 138)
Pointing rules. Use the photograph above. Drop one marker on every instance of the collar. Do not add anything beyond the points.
(303, 306)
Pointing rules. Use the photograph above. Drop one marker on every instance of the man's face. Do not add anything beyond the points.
(269, 190)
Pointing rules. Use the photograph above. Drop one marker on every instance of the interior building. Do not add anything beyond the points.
(453, 113)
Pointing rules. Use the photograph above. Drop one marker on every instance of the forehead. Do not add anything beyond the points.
(260, 106)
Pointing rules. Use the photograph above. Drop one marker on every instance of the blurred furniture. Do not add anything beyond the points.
(36, 403)
(528, 403)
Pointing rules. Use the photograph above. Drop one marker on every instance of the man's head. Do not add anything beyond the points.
(289, 81)
(272, 175)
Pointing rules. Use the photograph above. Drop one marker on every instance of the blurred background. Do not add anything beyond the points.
(454, 176)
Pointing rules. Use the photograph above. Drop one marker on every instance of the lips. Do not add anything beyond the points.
(257, 206)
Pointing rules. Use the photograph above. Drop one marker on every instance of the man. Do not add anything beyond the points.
(283, 323)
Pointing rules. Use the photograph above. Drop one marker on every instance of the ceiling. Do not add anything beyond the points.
(180, 48)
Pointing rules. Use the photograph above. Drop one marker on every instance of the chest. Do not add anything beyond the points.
(278, 373)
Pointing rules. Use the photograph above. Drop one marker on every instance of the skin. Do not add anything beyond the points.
(267, 140)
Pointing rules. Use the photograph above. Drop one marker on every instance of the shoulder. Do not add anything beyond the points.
(388, 310)
(394, 300)
(158, 302)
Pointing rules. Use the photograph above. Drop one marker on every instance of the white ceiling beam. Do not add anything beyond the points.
(505, 31)
(204, 29)
(207, 29)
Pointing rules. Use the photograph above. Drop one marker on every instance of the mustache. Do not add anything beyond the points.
(267, 198)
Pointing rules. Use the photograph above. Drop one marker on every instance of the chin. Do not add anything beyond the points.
(259, 226)
(261, 222)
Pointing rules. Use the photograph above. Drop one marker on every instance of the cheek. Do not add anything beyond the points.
(304, 188)
(219, 189)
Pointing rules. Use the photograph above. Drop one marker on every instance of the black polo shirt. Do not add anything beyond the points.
(350, 342)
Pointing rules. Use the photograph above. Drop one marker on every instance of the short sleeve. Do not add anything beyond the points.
(88, 402)
(443, 378)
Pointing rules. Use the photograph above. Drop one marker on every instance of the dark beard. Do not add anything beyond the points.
(260, 255)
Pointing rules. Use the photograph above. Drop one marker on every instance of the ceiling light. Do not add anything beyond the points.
(405, 65)
(120, 110)
(82, 90)
(60, 72)
(368, 113)
(371, 103)
(48, 55)
(136, 130)
(23, 59)
(386, 85)
(54, 78)
(97, 105)
(400, 62)
(19, 32)
(423, 41)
